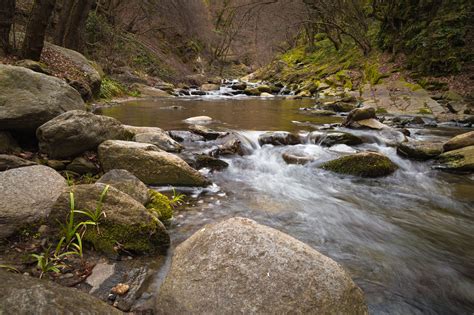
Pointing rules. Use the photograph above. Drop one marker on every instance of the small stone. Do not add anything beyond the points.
(120, 289)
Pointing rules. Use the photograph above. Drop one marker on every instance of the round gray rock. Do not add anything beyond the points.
(240, 267)
(27, 295)
(161, 139)
(128, 183)
(27, 195)
(75, 132)
(29, 99)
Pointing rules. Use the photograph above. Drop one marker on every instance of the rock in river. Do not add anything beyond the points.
(75, 132)
(420, 150)
(459, 161)
(29, 99)
(161, 139)
(241, 267)
(278, 138)
(364, 164)
(27, 195)
(26, 295)
(460, 141)
(150, 164)
(127, 224)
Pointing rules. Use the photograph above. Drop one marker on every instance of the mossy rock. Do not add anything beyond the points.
(339, 107)
(457, 161)
(420, 150)
(365, 164)
(252, 92)
(160, 205)
(126, 224)
(264, 89)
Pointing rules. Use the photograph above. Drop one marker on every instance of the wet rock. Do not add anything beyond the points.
(198, 93)
(240, 86)
(296, 159)
(460, 141)
(420, 150)
(149, 164)
(364, 164)
(207, 133)
(29, 99)
(27, 195)
(185, 136)
(126, 182)
(342, 148)
(215, 164)
(198, 120)
(264, 88)
(162, 140)
(126, 224)
(7, 143)
(369, 123)
(278, 138)
(252, 91)
(26, 295)
(75, 132)
(360, 114)
(210, 87)
(332, 138)
(8, 162)
(339, 107)
(457, 161)
(228, 145)
(81, 165)
(211, 272)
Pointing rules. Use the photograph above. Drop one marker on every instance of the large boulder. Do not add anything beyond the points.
(150, 164)
(27, 195)
(8, 162)
(89, 73)
(364, 164)
(128, 183)
(241, 267)
(460, 141)
(420, 150)
(27, 295)
(161, 139)
(75, 132)
(278, 138)
(459, 161)
(29, 99)
(126, 224)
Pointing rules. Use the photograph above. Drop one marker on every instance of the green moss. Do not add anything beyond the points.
(363, 165)
(160, 205)
(412, 86)
(425, 111)
(140, 239)
(111, 88)
(381, 110)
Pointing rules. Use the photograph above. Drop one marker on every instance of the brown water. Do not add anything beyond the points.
(406, 239)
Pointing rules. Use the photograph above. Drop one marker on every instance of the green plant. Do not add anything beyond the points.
(9, 268)
(111, 88)
(69, 179)
(70, 228)
(177, 199)
(95, 215)
(160, 205)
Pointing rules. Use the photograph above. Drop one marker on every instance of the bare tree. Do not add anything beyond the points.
(7, 12)
(36, 28)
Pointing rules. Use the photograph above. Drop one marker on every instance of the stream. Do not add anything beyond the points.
(407, 239)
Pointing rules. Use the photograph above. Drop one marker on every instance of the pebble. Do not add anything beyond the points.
(120, 289)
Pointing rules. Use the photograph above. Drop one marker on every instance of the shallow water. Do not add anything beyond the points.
(406, 239)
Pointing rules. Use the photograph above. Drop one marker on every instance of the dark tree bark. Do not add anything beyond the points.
(7, 12)
(65, 13)
(74, 37)
(36, 28)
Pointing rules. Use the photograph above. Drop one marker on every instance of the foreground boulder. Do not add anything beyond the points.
(29, 99)
(149, 164)
(26, 295)
(278, 138)
(241, 267)
(459, 161)
(364, 164)
(27, 195)
(8, 162)
(420, 150)
(126, 223)
(460, 141)
(75, 132)
(128, 183)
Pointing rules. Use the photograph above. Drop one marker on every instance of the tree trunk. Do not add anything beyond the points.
(36, 28)
(63, 19)
(74, 38)
(7, 12)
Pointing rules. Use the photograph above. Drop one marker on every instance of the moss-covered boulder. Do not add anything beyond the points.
(364, 164)
(458, 161)
(160, 205)
(128, 183)
(252, 92)
(265, 88)
(420, 150)
(150, 164)
(126, 223)
(460, 141)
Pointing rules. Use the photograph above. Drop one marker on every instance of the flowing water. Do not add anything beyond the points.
(407, 239)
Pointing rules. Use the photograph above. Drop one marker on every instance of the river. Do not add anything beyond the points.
(407, 239)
